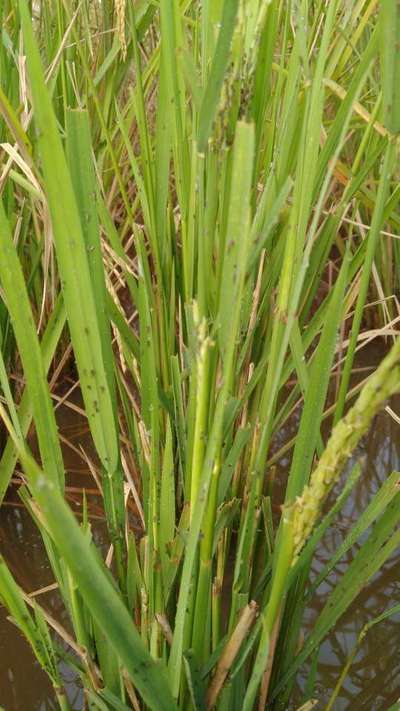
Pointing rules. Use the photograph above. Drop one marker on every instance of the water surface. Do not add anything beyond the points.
(374, 680)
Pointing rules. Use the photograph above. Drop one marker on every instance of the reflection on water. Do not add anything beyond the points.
(23, 685)
(374, 680)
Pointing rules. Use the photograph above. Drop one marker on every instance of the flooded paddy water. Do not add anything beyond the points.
(374, 680)
(373, 683)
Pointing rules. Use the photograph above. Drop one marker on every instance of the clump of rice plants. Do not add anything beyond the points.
(199, 202)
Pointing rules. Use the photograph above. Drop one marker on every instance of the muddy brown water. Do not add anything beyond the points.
(374, 680)
(373, 683)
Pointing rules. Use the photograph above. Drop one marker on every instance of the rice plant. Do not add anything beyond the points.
(200, 202)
